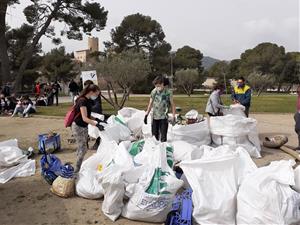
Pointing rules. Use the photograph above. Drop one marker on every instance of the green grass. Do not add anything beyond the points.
(262, 104)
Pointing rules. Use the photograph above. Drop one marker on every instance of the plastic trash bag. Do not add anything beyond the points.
(151, 198)
(185, 151)
(23, 169)
(236, 130)
(92, 130)
(116, 129)
(133, 118)
(296, 187)
(235, 109)
(196, 134)
(88, 184)
(214, 179)
(114, 189)
(192, 114)
(265, 196)
(10, 153)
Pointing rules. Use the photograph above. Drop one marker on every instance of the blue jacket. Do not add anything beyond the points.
(243, 95)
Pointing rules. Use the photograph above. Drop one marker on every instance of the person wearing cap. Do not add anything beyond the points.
(242, 94)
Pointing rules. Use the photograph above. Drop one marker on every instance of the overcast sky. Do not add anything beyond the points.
(221, 29)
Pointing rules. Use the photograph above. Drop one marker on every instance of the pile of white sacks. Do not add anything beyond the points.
(137, 180)
(13, 162)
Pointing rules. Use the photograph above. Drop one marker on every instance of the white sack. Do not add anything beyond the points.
(145, 157)
(92, 130)
(10, 153)
(24, 169)
(133, 118)
(88, 184)
(151, 198)
(265, 196)
(116, 129)
(114, 190)
(215, 178)
(113, 182)
(184, 151)
(192, 114)
(236, 130)
(146, 128)
(195, 134)
(235, 109)
(297, 179)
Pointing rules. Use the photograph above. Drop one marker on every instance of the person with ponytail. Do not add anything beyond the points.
(83, 109)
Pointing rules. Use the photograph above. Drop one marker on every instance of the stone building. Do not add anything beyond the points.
(93, 46)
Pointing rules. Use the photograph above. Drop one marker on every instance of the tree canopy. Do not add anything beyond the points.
(57, 65)
(78, 16)
(187, 80)
(142, 33)
(122, 71)
(188, 58)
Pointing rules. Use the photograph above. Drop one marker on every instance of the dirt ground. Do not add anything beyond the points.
(29, 201)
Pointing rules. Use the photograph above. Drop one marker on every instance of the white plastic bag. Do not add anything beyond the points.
(184, 151)
(25, 168)
(93, 131)
(116, 129)
(214, 179)
(265, 196)
(235, 109)
(195, 134)
(297, 179)
(10, 153)
(151, 198)
(88, 184)
(236, 130)
(114, 190)
(192, 114)
(133, 118)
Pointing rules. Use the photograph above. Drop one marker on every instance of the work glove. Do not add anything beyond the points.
(145, 119)
(100, 121)
(100, 127)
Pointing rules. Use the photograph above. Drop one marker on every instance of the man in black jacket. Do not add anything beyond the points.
(74, 89)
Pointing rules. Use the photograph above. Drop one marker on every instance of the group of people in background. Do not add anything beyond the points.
(46, 93)
(10, 105)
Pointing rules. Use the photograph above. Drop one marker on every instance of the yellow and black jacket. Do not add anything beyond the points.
(243, 95)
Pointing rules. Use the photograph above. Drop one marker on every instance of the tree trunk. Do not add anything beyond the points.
(5, 69)
(29, 51)
(279, 87)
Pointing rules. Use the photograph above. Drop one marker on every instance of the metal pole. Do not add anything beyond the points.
(225, 85)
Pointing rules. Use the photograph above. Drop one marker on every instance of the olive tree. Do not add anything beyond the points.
(187, 79)
(121, 72)
(260, 82)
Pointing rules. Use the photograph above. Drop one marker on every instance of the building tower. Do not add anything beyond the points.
(93, 45)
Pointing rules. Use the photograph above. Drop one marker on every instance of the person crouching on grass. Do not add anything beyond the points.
(161, 100)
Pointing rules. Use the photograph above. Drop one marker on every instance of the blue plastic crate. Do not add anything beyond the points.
(182, 209)
(49, 144)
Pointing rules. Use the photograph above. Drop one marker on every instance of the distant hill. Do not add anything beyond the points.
(208, 62)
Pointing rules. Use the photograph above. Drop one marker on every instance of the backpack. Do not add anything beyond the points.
(71, 116)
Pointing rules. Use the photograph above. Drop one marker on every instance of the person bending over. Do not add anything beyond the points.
(83, 110)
